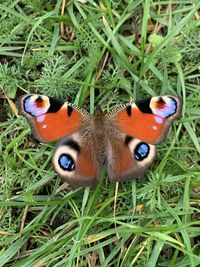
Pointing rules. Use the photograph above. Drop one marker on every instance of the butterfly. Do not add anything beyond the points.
(125, 139)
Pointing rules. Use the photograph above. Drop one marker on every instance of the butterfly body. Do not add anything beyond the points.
(124, 140)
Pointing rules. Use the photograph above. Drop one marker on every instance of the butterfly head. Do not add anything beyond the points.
(98, 111)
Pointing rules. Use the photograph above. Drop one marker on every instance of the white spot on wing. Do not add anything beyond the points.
(40, 118)
(158, 119)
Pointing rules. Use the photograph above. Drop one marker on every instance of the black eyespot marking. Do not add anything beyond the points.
(39, 99)
(141, 151)
(69, 110)
(72, 144)
(144, 105)
(161, 101)
(55, 105)
(129, 110)
(66, 162)
(128, 139)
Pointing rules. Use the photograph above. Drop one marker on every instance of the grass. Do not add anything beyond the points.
(106, 53)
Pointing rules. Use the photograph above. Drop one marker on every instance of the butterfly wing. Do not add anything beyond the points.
(75, 159)
(138, 127)
(51, 119)
(149, 119)
(128, 158)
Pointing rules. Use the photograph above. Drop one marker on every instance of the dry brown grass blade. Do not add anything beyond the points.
(11, 103)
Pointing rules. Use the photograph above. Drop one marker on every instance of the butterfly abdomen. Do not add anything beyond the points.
(99, 137)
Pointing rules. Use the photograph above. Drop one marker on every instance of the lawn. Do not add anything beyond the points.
(103, 53)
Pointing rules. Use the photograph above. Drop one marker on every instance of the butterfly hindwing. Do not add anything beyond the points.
(149, 119)
(75, 160)
(128, 158)
(51, 119)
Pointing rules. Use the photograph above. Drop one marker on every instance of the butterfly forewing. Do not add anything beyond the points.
(149, 119)
(51, 119)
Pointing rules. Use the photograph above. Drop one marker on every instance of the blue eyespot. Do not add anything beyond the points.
(173, 107)
(66, 162)
(31, 106)
(141, 151)
(169, 109)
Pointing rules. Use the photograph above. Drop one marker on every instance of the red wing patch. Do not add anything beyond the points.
(54, 126)
(75, 160)
(128, 160)
(149, 120)
(87, 163)
(50, 119)
(142, 126)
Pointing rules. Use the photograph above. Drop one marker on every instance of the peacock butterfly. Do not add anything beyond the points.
(124, 139)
